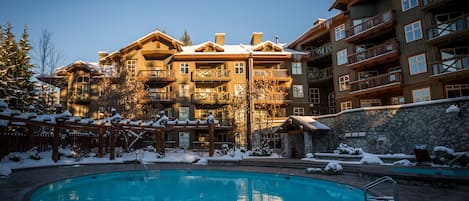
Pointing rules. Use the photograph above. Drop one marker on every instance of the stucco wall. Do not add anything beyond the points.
(397, 129)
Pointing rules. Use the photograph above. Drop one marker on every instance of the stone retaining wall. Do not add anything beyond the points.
(397, 129)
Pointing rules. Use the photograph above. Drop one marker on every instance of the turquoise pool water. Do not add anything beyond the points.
(433, 171)
(200, 185)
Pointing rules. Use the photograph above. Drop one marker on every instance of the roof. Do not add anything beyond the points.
(93, 67)
(308, 123)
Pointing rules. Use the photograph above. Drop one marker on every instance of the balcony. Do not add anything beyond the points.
(381, 83)
(374, 26)
(321, 51)
(375, 55)
(274, 74)
(207, 98)
(157, 54)
(156, 76)
(278, 98)
(449, 32)
(161, 97)
(322, 74)
(211, 75)
(429, 5)
(454, 68)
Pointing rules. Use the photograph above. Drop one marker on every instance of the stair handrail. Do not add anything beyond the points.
(379, 181)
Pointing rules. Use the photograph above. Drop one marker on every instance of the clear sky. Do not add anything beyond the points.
(81, 28)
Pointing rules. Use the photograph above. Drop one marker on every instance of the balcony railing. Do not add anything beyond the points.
(451, 65)
(161, 96)
(452, 26)
(162, 75)
(322, 50)
(273, 98)
(275, 74)
(320, 74)
(380, 20)
(375, 52)
(211, 98)
(377, 81)
(211, 75)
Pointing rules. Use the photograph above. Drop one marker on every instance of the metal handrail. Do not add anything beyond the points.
(379, 181)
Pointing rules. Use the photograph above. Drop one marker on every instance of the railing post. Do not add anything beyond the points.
(100, 142)
(112, 151)
(211, 138)
(55, 144)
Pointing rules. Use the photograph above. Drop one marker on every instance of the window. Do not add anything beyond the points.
(296, 68)
(314, 97)
(413, 31)
(131, 66)
(184, 68)
(370, 102)
(398, 100)
(420, 95)
(299, 111)
(417, 64)
(344, 83)
(345, 105)
(340, 32)
(457, 90)
(83, 79)
(239, 68)
(342, 57)
(183, 90)
(408, 4)
(183, 113)
(332, 103)
(298, 91)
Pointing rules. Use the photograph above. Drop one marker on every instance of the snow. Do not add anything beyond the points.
(309, 155)
(333, 166)
(371, 159)
(4, 171)
(453, 109)
(444, 149)
(403, 162)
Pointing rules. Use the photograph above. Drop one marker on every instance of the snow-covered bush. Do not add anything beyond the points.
(14, 156)
(403, 162)
(333, 168)
(443, 155)
(66, 151)
(309, 155)
(261, 152)
(371, 159)
(34, 154)
(345, 149)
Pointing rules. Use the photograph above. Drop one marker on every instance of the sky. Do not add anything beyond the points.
(82, 28)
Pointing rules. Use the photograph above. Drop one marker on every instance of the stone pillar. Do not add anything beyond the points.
(308, 138)
(211, 138)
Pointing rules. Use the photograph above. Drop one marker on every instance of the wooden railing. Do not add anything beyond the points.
(161, 96)
(271, 74)
(382, 18)
(156, 74)
(454, 64)
(374, 51)
(320, 74)
(322, 50)
(376, 81)
(272, 97)
(210, 75)
(211, 98)
(449, 27)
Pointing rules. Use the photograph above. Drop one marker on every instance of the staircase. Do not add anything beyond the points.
(382, 180)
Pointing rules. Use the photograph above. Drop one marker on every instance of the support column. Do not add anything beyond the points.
(211, 138)
(308, 138)
(159, 138)
(112, 152)
(31, 140)
(55, 145)
(100, 143)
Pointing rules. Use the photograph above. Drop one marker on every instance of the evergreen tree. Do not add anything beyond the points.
(186, 39)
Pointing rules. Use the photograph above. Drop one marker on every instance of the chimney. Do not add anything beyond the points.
(318, 21)
(102, 54)
(220, 38)
(256, 38)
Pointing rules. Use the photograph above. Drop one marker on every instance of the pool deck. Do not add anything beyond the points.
(21, 183)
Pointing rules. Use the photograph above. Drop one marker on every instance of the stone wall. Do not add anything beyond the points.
(397, 129)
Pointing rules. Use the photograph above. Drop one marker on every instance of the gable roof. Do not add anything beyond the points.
(308, 123)
(209, 44)
(94, 68)
(265, 44)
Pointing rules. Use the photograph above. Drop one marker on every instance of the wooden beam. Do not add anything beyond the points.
(55, 145)
(100, 143)
(211, 138)
(31, 141)
(112, 152)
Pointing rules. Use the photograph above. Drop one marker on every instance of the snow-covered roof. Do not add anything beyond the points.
(228, 49)
(310, 123)
(92, 66)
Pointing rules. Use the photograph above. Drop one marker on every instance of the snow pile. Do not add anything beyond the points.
(345, 149)
(4, 171)
(371, 159)
(333, 168)
(443, 149)
(309, 155)
(313, 170)
(453, 109)
(66, 151)
(403, 162)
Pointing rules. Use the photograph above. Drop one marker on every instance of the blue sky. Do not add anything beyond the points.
(82, 28)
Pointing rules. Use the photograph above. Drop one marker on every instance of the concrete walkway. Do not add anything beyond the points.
(21, 183)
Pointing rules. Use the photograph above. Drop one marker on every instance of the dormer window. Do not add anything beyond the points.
(83, 79)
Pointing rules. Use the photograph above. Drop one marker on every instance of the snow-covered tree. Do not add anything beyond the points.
(186, 39)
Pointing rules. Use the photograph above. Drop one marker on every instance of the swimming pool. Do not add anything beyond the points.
(201, 185)
(433, 171)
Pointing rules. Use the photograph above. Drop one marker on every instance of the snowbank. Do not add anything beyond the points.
(444, 149)
(4, 171)
(371, 159)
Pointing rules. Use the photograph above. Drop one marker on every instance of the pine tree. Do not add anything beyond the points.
(25, 70)
(186, 39)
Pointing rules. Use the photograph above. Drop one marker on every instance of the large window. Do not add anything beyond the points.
(342, 57)
(298, 91)
(131, 66)
(239, 68)
(457, 90)
(420, 95)
(183, 90)
(417, 64)
(184, 68)
(413, 31)
(346, 105)
(340, 32)
(183, 113)
(408, 4)
(296, 68)
(314, 96)
(344, 82)
(332, 103)
(299, 111)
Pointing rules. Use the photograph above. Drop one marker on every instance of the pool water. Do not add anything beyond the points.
(433, 171)
(201, 185)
